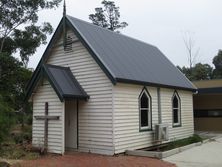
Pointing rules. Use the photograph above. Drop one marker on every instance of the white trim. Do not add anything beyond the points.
(113, 124)
(148, 111)
(177, 108)
(63, 127)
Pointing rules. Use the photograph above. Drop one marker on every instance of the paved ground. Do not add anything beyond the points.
(94, 160)
(206, 155)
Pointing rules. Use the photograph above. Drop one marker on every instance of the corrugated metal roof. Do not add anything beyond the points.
(128, 59)
(64, 82)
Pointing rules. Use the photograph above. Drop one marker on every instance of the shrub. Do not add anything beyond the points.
(18, 138)
(6, 119)
(182, 142)
(29, 119)
(195, 138)
(25, 136)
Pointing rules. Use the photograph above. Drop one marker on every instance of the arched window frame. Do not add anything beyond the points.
(176, 124)
(149, 110)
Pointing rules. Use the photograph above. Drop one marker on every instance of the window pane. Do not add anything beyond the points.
(144, 118)
(144, 101)
(175, 102)
(175, 116)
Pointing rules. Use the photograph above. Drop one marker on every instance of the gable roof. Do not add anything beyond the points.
(63, 82)
(127, 59)
(122, 58)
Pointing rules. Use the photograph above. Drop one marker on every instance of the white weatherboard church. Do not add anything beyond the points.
(103, 92)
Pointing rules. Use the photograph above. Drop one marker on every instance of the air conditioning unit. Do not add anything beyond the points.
(161, 132)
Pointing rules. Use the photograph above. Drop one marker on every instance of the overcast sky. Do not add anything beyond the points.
(158, 22)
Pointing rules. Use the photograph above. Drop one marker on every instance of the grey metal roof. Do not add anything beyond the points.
(64, 83)
(130, 60)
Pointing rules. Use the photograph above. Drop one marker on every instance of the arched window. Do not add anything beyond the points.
(145, 110)
(176, 110)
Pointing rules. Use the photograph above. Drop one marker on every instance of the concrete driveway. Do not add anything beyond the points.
(207, 155)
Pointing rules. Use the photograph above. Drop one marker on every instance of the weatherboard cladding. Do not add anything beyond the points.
(129, 60)
(64, 82)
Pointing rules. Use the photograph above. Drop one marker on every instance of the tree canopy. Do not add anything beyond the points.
(107, 16)
(20, 34)
(204, 71)
(19, 31)
(217, 61)
(198, 72)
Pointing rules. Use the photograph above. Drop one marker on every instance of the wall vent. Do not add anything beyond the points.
(68, 44)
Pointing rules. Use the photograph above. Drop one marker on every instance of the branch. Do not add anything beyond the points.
(7, 33)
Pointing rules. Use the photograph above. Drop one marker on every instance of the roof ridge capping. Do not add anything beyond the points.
(105, 29)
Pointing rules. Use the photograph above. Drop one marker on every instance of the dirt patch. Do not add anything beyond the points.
(94, 160)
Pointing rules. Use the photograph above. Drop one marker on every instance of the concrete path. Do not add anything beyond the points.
(207, 155)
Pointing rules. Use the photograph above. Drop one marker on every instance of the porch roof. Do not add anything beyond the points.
(63, 82)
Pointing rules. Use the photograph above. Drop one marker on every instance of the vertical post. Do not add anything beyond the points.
(159, 106)
(64, 126)
(46, 127)
(77, 108)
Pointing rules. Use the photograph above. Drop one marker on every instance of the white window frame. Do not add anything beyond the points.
(149, 113)
(176, 108)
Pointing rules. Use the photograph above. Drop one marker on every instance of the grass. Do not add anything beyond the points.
(18, 145)
(10, 150)
(179, 143)
(183, 142)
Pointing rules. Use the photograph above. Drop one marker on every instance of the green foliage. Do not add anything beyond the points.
(13, 78)
(195, 139)
(18, 138)
(183, 142)
(202, 72)
(27, 133)
(19, 31)
(198, 72)
(14, 151)
(217, 61)
(107, 16)
(6, 119)
(22, 137)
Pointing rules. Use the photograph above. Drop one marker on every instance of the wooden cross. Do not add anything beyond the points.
(46, 118)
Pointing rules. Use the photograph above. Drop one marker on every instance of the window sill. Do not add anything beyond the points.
(145, 130)
(176, 126)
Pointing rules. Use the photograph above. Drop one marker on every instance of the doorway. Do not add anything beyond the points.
(71, 125)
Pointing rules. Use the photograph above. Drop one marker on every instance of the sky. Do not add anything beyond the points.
(163, 23)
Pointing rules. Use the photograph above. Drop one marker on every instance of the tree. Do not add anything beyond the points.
(192, 51)
(107, 16)
(13, 78)
(202, 72)
(186, 71)
(19, 31)
(217, 61)
(198, 72)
